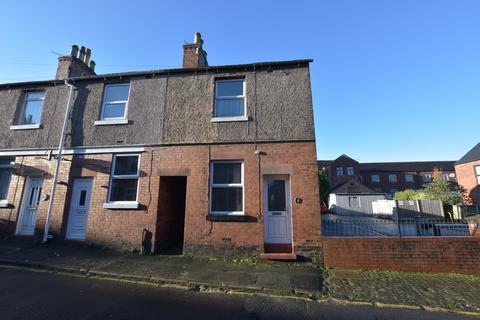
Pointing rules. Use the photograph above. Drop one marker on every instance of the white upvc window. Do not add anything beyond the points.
(409, 177)
(375, 178)
(339, 171)
(32, 108)
(124, 179)
(6, 169)
(115, 102)
(477, 173)
(392, 178)
(226, 187)
(350, 171)
(427, 177)
(230, 101)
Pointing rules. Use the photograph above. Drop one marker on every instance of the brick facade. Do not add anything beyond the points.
(418, 254)
(467, 178)
(125, 228)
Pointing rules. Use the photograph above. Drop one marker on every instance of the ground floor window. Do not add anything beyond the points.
(124, 178)
(226, 187)
(6, 168)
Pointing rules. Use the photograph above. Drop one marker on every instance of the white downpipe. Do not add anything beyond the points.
(59, 160)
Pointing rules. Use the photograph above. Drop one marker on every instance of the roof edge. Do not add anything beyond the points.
(208, 69)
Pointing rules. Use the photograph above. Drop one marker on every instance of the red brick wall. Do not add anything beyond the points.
(466, 178)
(36, 166)
(124, 228)
(419, 254)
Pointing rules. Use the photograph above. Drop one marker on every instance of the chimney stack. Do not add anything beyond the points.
(77, 64)
(193, 54)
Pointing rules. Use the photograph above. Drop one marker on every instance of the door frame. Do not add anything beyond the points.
(285, 177)
(72, 198)
(23, 203)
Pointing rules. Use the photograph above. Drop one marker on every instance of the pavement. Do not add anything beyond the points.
(291, 281)
(27, 293)
(279, 278)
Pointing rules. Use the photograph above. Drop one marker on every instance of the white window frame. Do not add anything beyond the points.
(425, 175)
(340, 169)
(22, 114)
(11, 165)
(243, 117)
(103, 119)
(476, 170)
(375, 180)
(348, 171)
(392, 178)
(123, 204)
(226, 185)
(409, 175)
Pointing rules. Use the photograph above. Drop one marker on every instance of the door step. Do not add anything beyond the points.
(279, 256)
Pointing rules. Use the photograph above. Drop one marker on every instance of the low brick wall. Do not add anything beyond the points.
(419, 254)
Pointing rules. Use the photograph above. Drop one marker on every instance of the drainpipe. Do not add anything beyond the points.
(59, 160)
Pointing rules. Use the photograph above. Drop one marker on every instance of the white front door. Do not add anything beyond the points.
(78, 215)
(28, 213)
(278, 218)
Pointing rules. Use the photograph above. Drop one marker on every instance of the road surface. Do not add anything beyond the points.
(30, 294)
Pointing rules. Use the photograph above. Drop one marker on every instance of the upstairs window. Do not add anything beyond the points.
(6, 168)
(350, 171)
(409, 178)
(477, 173)
(339, 171)
(229, 98)
(375, 178)
(124, 178)
(115, 101)
(226, 187)
(32, 108)
(427, 177)
(392, 178)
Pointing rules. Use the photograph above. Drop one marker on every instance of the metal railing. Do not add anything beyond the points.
(409, 227)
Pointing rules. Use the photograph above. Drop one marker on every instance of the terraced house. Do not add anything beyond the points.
(205, 159)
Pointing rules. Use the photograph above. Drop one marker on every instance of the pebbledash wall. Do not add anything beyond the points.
(412, 254)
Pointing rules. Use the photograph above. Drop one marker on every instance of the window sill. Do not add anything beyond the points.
(229, 119)
(25, 126)
(120, 205)
(4, 204)
(110, 122)
(231, 218)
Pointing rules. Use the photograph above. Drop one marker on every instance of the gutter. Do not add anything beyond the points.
(59, 160)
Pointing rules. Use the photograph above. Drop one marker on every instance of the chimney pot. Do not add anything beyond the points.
(88, 54)
(81, 56)
(74, 51)
(197, 38)
(92, 65)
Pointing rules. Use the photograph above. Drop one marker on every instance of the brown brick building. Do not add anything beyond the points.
(200, 159)
(384, 177)
(468, 174)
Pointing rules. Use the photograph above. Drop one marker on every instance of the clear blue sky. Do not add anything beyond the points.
(392, 80)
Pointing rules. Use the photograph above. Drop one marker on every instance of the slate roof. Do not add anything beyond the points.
(151, 73)
(472, 155)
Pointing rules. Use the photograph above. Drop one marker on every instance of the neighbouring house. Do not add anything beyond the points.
(210, 159)
(385, 177)
(468, 174)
